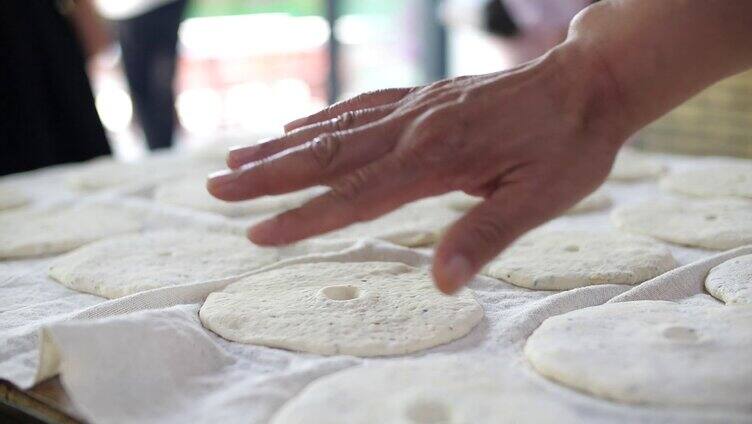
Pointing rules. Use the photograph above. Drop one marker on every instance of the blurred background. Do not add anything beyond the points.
(245, 67)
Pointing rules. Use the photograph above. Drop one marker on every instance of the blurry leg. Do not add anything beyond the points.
(149, 45)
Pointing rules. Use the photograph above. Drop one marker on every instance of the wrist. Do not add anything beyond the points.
(599, 96)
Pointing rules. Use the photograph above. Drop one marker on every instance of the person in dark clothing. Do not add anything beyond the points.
(149, 46)
(47, 112)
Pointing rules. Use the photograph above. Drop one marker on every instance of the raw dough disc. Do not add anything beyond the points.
(11, 198)
(650, 352)
(561, 260)
(26, 233)
(362, 309)
(721, 224)
(133, 263)
(191, 193)
(437, 390)
(731, 179)
(594, 201)
(106, 173)
(731, 281)
(631, 165)
(463, 202)
(413, 225)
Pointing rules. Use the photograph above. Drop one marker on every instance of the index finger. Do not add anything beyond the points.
(363, 101)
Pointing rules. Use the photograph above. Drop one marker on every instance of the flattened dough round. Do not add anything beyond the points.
(11, 198)
(720, 224)
(435, 390)
(133, 263)
(106, 173)
(594, 201)
(650, 352)
(561, 260)
(463, 202)
(413, 225)
(26, 233)
(731, 281)
(191, 193)
(361, 309)
(631, 165)
(731, 179)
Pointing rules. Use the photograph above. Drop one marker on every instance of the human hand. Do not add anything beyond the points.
(532, 141)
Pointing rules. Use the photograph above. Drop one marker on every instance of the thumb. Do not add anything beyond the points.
(483, 232)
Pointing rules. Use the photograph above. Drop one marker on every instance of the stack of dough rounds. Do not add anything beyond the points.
(11, 198)
(651, 352)
(26, 233)
(631, 165)
(133, 263)
(463, 202)
(731, 179)
(413, 225)
(731, 281)
(721, 224)
(328, 308)
(437, 390)
(191, 193)
(561, 260)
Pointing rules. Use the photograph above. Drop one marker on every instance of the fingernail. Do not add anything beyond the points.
(245, 147)
(293, 124)
(264, 233)
(221, 176)
(218, 183)
(457, 272)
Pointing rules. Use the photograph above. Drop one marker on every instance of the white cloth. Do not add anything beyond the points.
(146, 358)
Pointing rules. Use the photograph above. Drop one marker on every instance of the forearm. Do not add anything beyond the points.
(657, 54)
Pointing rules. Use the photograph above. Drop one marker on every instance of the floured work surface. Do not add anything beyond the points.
(195, 376)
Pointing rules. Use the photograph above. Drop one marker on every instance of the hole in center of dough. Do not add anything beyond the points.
(711, 217)
(427, 412)
(680, 334)
(572, 248)
(340, 292)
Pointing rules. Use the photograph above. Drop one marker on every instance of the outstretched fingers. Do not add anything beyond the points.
(350, 120)
(315, 162)
(363, 101)
(365, 194)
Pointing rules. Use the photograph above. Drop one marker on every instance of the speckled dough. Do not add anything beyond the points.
(11, 198)
(561, 260)
(730, 179)
(731, 281)
(191, 193)
(413, 225)
(26, 233)
(650, 352)
(436, 390)
(719, 224)
(361, 309)
(631, 165)
(133, 263)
